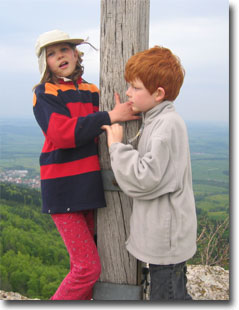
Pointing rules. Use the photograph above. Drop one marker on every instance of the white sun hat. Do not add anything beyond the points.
(49, 38)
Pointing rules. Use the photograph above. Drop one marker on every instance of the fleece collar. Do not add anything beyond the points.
(163, 107)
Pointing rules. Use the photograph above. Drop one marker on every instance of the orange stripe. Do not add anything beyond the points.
(85, 165)
(91, 87)
(53, 88)
(34, 99)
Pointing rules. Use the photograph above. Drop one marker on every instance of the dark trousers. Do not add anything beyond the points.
(168, 282)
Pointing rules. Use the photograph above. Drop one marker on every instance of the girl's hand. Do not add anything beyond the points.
(114, 133)
(122, 112)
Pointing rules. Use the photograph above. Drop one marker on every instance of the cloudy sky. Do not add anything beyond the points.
(196, 31)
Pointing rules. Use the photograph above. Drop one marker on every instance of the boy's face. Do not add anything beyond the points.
(140, 97)
(61, 59)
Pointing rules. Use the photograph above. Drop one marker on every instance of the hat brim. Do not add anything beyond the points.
(70, 41)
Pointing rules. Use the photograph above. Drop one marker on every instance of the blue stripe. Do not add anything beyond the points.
(68, 155)
(82, 96)
(81, 192)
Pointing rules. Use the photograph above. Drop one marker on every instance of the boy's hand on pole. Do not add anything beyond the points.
(114, 133)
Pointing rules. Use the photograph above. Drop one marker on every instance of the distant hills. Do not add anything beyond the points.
(22, 140)
(33, 257)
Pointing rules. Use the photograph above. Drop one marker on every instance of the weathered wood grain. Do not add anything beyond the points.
(124, 31)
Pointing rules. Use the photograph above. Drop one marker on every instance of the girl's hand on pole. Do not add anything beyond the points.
(122, 112)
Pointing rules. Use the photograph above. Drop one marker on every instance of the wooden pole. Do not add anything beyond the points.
(124, 31)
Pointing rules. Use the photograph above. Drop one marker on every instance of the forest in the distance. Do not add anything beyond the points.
(34, 260)
(33, 257)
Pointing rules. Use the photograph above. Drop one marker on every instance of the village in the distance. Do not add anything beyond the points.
(20, 177)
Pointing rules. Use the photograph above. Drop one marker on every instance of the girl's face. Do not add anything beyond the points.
(61, 59)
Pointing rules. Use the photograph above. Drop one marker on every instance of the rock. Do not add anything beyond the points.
(208, 282)
(13, 296)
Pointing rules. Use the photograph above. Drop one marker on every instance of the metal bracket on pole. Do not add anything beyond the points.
(113, 291)
(109, 181)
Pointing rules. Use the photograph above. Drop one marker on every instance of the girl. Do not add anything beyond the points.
(67, 109)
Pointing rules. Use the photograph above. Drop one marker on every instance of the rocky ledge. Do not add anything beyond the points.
(13, 296)
(208, 283)
(204, 283)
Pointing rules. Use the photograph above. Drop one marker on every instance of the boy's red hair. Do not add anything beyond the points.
(156, 67)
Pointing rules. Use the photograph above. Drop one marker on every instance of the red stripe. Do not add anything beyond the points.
(78, 109)
(61, 131)
(48, 146)
(85, 165)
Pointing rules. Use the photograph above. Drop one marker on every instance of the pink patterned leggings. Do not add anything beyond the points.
(77, 232)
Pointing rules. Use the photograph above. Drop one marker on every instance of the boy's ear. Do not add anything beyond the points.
(160, 94)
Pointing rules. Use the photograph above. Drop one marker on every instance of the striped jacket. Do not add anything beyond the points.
(69, 165)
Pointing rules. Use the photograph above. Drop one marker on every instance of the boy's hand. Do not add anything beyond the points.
(114, 133)
(122, 112)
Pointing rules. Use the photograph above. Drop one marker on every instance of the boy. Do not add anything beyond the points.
(158, 175)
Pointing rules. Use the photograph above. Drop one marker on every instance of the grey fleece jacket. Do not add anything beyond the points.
(158, 177)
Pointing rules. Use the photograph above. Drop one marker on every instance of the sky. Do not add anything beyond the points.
(196, 31)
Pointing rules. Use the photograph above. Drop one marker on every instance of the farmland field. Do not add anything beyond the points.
(209, 146)
(21, 142)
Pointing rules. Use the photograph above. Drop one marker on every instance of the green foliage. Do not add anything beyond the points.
(216, 206)
(212, 241)
(21, 194)
(34, 260)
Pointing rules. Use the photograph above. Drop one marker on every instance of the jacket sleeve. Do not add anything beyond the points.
(60, 128)
(146, 177)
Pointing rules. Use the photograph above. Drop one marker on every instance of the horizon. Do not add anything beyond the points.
(188, 122)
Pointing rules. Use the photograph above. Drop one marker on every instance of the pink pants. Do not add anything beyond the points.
(77, 232)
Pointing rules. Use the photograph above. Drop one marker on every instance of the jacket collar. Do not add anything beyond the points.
(163, 107)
